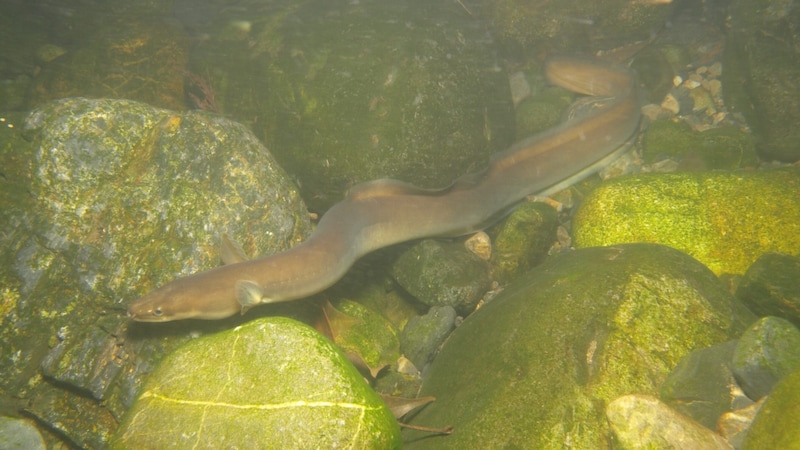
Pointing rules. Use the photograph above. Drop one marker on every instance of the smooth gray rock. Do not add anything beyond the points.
(771, 286)
(423, 335)
(768, 351)
(440, 273)
(19, 434)
(641, 421)
(703, 387)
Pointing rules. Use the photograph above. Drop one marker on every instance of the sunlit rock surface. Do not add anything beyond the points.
(103, 201)
(271, 383)
(535, 367)
(724, 219)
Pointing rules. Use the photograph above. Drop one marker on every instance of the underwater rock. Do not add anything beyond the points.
(768, 351)
(522, 240)
(761, 73)
(366, 337)
(423, 335)
(642, 421)
(775, 425)
(771, 287)
(20, 434)
(534, 367)
(346, 92)
(724, 219)
(718, 148)
(567, 24)
(271, 383)
(735, 425)
(105, 200)
(702, 385)
(442, 273)
(135, 60)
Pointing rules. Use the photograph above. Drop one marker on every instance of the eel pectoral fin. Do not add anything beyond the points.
(248, 294)
(230, 252)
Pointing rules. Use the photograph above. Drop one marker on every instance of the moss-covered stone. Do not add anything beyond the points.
(725, 220)
(535, 367)
(717, 148)
(348, 92)
(137, 60)
(642, 421)
(522, 240)
(271, 383)
(443, 273)
(543, 110)
(775, 425)
(768, 351)
(104, 200)
(566, 25)
(761, 73)
(771, 287)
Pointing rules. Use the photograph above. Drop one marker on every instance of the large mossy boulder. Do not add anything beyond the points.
(136, 60)
(536, 367)
(775, 426)
(771, 286)
(568, 24)
(761, 73)
(345, 92)
(717, 148)
(103, 201)
(271, 383)
(724, 219)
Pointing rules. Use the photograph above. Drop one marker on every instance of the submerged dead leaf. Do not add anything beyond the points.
(366, 337)
(333, 322)
(400, 406)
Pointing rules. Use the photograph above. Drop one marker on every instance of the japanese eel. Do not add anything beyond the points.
(384, 212)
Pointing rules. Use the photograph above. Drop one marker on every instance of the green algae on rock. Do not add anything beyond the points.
(767, 352)
(345, 92)
(104, 200)
(271, 383)
(724, 219)
(566, 24)
(522, 240)
(761, 73)
(363, 333)
(535, 367)
(718, 148)
(775, 426)
(642, 421)
(443, 273)
(771, 287)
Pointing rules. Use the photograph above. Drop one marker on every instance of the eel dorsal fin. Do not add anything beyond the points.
(386, 187)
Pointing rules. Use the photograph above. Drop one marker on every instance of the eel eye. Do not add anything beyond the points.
(158, 312)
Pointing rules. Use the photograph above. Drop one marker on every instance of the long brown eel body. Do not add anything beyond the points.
(384, 212)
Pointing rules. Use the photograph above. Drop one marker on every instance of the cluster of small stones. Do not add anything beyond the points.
(696, 97)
